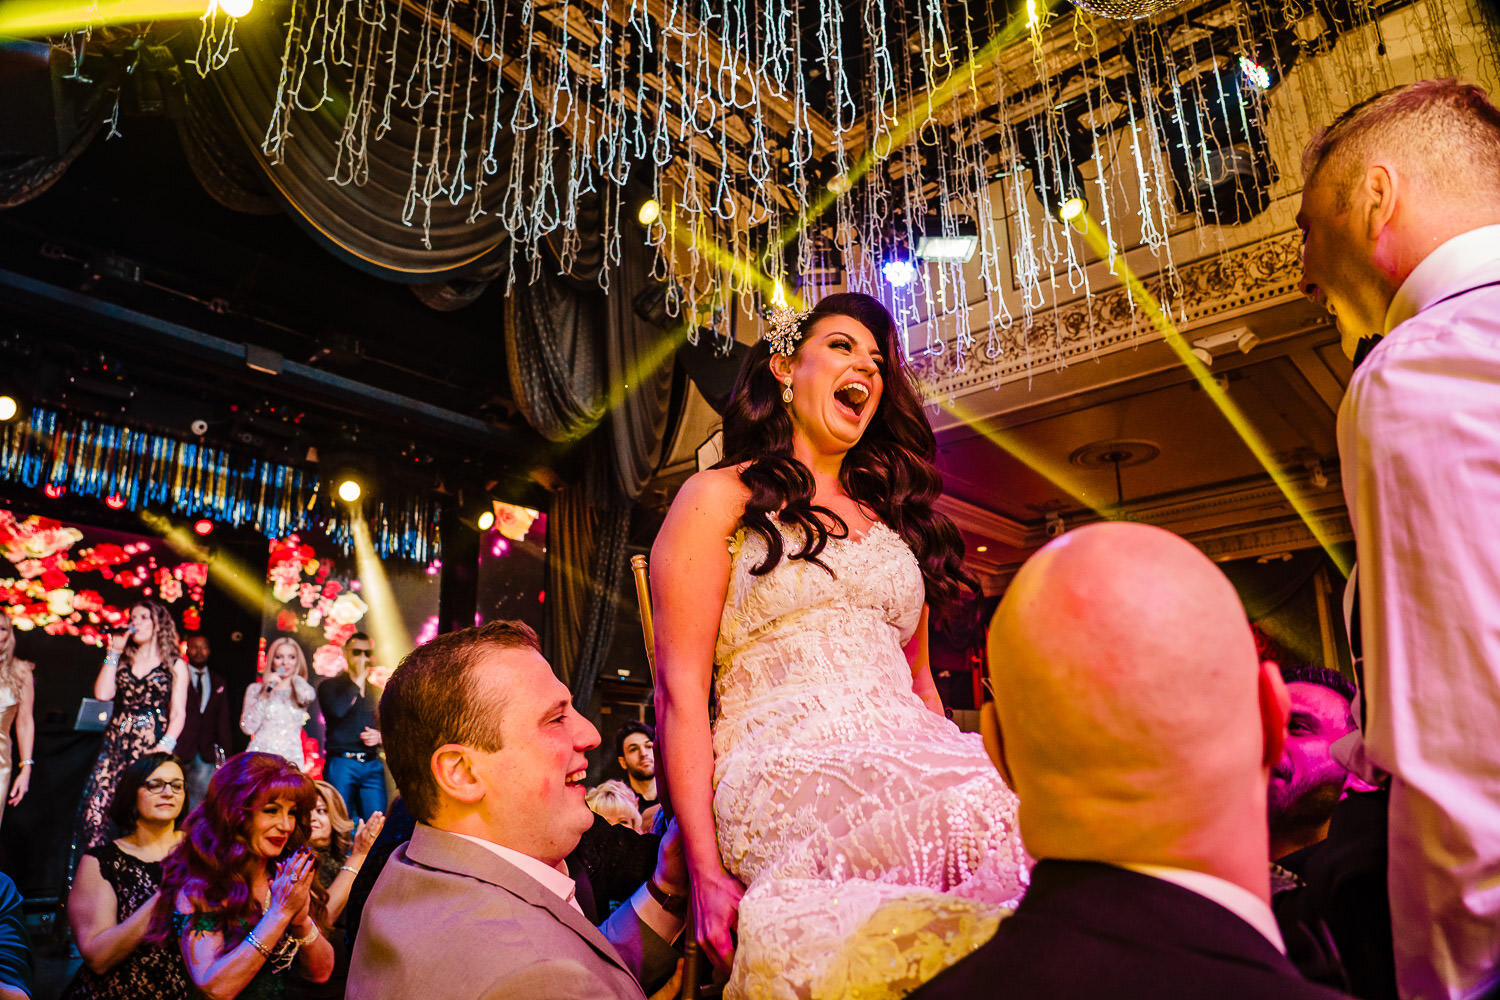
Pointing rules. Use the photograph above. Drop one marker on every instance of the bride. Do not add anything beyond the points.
(844, 838)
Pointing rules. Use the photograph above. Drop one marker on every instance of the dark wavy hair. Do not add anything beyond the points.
(213, 866)
(122, 806)
(164, 636)
(891, 470)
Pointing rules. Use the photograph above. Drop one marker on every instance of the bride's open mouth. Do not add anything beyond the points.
(852, 397)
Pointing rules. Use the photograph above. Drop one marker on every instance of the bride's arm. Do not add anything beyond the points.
(921, 668)
(689, 578)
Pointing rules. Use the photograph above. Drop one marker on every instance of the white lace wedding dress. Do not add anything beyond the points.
(877, 842)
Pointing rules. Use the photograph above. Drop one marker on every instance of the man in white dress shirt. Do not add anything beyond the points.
(1401, 227)
(488, 752)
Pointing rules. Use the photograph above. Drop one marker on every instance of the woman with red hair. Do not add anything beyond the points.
(238, 893)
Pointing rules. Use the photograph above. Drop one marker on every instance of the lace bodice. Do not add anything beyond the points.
(801, 643)
(149, 695)
(854, 814)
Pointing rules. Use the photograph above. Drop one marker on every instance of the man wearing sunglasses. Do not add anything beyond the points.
(349, 702)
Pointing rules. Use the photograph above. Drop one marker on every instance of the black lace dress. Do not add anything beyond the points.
(151, 971)
(138, 724)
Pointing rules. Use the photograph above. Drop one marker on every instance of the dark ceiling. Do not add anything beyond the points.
(127, 270)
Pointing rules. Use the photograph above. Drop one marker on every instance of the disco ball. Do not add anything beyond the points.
(1127, 10)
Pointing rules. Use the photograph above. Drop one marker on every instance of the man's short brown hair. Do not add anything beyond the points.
(432, 699)
(1447, 132)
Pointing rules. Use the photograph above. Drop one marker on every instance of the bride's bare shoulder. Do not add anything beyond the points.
(717, 490)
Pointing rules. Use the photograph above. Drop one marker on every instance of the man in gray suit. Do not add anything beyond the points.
(488, 752)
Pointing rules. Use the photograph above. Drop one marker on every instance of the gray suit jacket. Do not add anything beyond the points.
(449, 920)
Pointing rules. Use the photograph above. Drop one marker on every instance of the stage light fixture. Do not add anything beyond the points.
(203, 527)
(349, 491)
(956, 246)
(1059, 189)
(9, 408)
(899, 271)
(114, 502)
(649, 212)
(234, 8)
(486, 520)
(53, 491)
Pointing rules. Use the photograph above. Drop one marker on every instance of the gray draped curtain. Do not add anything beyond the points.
(586, 369)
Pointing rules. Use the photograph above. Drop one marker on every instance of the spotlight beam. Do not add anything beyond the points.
(39, 18)
(386, 627)
(1043, 465)
(1247, 432)
(244, 586)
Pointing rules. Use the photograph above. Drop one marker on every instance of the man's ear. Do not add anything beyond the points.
(453, 771)
(621, 762)
(1379, 188)
(1275, 710)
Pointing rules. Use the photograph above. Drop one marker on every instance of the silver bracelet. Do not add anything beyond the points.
(256, 944)
(349, 868)
(169, 743)
(26, 763)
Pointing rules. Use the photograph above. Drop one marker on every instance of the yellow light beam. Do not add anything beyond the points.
(1096, 240)
(1046, 466)
(39, 18)
(245, 586)
(386, 628)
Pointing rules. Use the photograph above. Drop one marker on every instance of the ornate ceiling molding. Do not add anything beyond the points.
(1214, 288)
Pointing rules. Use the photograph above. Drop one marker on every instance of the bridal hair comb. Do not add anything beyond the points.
(784, 329)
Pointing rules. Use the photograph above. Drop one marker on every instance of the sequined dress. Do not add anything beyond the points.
(155, 971)
(138, 723)
(877, 842)
(274, 722)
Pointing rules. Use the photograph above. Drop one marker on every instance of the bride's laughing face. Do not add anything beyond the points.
(837, 379)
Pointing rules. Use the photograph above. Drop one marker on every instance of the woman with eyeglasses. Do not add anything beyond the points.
(239, 896)
(276, 705)
(118, 884)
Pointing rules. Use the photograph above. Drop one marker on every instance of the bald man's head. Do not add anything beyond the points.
(1130, 699)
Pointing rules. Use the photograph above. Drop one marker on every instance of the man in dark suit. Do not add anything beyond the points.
(1139, 731)
(489, 754)
(205, 730)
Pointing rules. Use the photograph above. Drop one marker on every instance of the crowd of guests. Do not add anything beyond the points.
(165, 699)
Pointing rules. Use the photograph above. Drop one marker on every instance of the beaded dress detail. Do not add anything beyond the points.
(877, 842)
(274, 722)
(138, 723)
